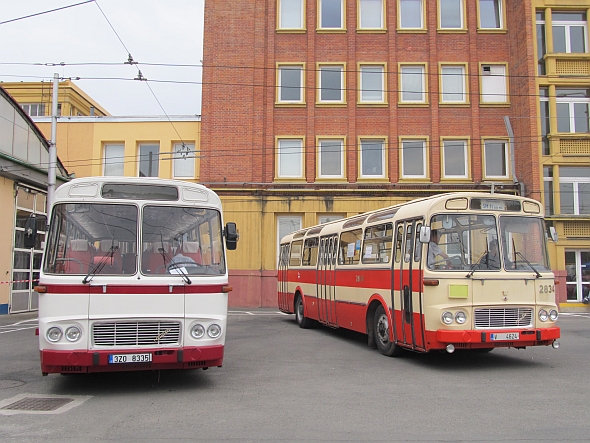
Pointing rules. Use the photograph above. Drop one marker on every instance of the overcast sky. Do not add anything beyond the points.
(153, 31)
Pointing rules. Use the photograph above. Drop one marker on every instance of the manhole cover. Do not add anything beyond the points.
(7, 384)
(38, 404)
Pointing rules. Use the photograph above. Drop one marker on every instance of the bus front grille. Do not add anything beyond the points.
(136, 333)
(503, 317)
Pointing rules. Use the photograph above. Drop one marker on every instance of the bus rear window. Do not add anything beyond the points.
(140, 192)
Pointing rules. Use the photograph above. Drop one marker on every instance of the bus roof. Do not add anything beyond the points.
(455, 201)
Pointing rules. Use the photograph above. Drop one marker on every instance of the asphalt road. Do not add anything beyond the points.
(280, 383)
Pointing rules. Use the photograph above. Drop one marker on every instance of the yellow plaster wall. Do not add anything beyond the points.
(6, 236)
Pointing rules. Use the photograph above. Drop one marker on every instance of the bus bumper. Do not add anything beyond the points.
(83, 361)
(471, 339)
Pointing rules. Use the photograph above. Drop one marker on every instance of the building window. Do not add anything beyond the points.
(331, 159)
(413, 84)
(450, 14)
(493, 84)
(149, 159)
(413, 158)
(184, 160)
(290, 158)
(372, 158)
(495, 159)
(114, 160)
(572, 110)
(455, 159)
(574, 190)
(291, 14)
(329, 218)
(34, 109)
(290, 84)
(569, 32)
(285, 225)
(453, 87)
(372, 81)
(331, 14)
(545, 126)
(411, 14)
(577, 265)
(541, 42)
(548, 190)
(490, 14)
(331, 80)
(371, 14)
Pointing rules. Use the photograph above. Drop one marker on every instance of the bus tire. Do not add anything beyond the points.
(381, 328)
(302, 321)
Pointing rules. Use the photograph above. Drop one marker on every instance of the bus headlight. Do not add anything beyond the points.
(214, 330)
(543, 316)
(553, 314)
(447, 317)
(460, 317)
(54, 334)
(73, 333)
(197, 331)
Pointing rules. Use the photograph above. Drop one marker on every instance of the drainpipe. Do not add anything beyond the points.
(512, 160)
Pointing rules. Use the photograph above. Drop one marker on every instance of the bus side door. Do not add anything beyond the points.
(326, 280)
(283, 280)
(406, 290)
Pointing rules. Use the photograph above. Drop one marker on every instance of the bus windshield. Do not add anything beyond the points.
(524, 246)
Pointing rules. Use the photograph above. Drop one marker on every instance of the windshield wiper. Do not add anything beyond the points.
(519, 254)
(101, 264)
(478, 262)
(171, 265)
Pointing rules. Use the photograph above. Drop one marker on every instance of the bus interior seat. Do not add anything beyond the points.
(152, 260)
(114, 265)
(78, 257)
(192, 249)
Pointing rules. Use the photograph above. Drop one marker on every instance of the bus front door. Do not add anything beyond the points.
(407, 306)
(326, 281)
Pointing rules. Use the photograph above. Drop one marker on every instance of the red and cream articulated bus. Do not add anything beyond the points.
(134, 277)
(454, 271)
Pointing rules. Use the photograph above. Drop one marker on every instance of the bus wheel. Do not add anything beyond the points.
(381, 327)
(302, 321)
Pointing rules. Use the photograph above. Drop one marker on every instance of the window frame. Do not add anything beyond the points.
(461, 28)
(384, 156)
(502, 17)
(280, 28)
(342, 27)
(328, 139)
(425, 158)
(366, 66)
(342, 100)
(422, 27)
(568, 24)
(506, 142)
(284, 138)
(424, 78)
(381, 28)
(465, 84)
(575, 181)
(287, 66)
(482, 82)
(191, 155)
(466, 158)
(104, 158)
(140, 155)
(278, 232)
(571, 102)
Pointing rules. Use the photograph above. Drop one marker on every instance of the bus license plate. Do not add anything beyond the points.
(507, 336)
(130, 358)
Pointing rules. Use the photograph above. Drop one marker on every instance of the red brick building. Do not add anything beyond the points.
(319, 108)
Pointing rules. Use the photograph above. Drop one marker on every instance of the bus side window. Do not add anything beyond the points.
(295, 259)
(398, 242)
(310, 252)
(350, 247)
(417, 244)
(377, 244)
(409, 241)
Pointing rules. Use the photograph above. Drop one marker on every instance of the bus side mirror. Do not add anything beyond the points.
(231, 236)
(424, 234)
(553, 233)
(31, 231)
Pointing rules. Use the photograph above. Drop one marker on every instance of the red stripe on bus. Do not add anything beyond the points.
(135, 289)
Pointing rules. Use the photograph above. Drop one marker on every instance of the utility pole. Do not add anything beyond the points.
(52, 146)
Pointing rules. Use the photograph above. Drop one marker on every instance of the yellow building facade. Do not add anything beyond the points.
(563, 85)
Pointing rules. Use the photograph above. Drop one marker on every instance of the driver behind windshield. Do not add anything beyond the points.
(434, 251)
(181, 262)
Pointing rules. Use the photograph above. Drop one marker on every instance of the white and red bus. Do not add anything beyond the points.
(134, 277)
(427, 275)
